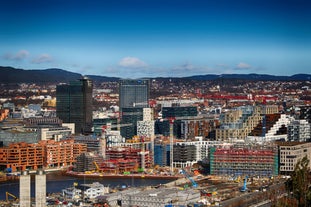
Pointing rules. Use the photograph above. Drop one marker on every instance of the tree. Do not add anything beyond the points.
(300, 182)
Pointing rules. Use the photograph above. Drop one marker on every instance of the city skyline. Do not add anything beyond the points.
(133, 39)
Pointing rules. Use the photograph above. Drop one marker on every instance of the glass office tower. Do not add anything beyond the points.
(133, 96)
(74, 104)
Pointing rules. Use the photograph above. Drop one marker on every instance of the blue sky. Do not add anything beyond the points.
(152, 38)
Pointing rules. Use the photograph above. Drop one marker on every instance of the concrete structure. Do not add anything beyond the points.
(24, 190)
(74, 104)
(40, 183)
(291, 153)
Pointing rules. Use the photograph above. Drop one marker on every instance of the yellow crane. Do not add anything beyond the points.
(7, 195)
(97, 167)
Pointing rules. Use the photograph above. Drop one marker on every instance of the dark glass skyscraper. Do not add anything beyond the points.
(134, 93)
(74, 104)
(133, 97)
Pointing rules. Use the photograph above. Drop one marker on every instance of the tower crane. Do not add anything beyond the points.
(171, 122)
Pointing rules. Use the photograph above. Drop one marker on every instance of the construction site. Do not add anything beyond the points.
(250, 160)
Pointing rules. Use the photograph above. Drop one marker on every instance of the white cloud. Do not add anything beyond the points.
(20, 55)
(184, 67)
(242, 65)
(132, 62)
(188, 69)
(43, 58)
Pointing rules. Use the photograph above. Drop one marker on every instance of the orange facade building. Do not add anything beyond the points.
(45, 154)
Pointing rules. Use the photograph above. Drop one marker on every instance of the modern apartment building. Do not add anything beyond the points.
(22, 156)
(299, 130)
(240, 122)
(74, 104)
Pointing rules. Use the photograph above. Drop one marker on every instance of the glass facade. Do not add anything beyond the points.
(134, 93)
(74, 104)
(133, 96)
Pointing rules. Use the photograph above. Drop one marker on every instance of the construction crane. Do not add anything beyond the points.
(7, 195)
(171, 122)
(97, 167)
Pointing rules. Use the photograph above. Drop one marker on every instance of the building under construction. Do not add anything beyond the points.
(118, 160)
(251, 160)
(141, 157)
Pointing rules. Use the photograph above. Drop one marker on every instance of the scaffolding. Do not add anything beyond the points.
(244, 160)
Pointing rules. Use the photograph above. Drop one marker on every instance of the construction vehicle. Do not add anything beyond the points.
(194, 184)
(244, 188)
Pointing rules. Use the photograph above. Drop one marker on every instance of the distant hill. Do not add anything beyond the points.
(12, 75)
(257, 77)
(54, 75)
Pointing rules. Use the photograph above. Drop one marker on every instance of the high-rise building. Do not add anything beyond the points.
(133, 97)
(134, 93)
(74, 104)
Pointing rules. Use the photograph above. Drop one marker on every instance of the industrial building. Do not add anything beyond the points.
(291, 153)
(74, 104)
(244, 159)
(160, 197)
